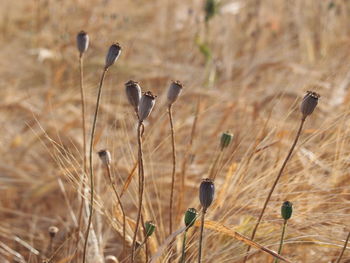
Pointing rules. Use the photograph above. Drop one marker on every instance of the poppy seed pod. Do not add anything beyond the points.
(174, 91)
(225, 140)
(286, 210)
(53, 230)
(190, 217)
(105, 157)
(146, 105)
(206, 193)
(133, 92)
(113, 54)
(309, 103)
(82, 42)
(150, 227)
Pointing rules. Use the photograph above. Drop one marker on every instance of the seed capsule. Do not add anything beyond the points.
(146, 105)
(150, 227)
(53, 230)
(286, 210)
(226, 139)
(309, 103)
(133, 92)
(174, 91)
(190, 217)
(206, 193)
(105, 157)
(82, 42)
(113, 54)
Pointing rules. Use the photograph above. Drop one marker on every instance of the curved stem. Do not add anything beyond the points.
(343, 250)
(140, 130)
(281, 241)
(183, 254)
(201, 237)
(173, 170)
(274, 185)
(120, 205)
(91, 162)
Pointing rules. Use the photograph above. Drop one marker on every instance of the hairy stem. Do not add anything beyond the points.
(120, 205)
(201, 237)
(282, 239)
(173, 171)
(274, 185)
(183, 254)
(141, 186)
(343, 250)
(91, 162)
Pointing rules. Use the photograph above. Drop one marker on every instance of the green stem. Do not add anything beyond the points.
(274, 185)
(183, 255)
(281, 241)
(201, 237)
(91, 162)
(343, 250)
(173, 170)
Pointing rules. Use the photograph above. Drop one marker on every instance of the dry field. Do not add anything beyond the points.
(245, 71)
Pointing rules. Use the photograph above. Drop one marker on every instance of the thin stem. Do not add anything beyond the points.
(120, 205)
(201, 237)
(282, 239)
(141, 186)
(91, 161)
(183, 254)
(212, 173)
(174, 169)
(343, 250)
(274, 185)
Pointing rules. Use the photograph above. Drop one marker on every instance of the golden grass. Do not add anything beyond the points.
(264, 58)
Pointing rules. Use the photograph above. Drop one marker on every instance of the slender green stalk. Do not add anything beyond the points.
(201, 237)
(212, 173)
(282, 239)
(274, 184)
(174, 169)
(120, 205)
(91, 161)
(183, 254)
(141, 186)
(343, 250)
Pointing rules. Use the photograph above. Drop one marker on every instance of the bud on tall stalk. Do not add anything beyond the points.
(112, 54)
(309, 103)
(150, 227)
(146, 105)
(82, 42)
(174, 91)
(133, 93)
(225, 140)
(286, 210)
(105, 157)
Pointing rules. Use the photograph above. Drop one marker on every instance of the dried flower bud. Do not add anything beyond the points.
(150, 227)
(225, 140)
(309, 103)
(113, 54)
(133, 92)
(286, 210)
(105, 157)
(190, 217)
(146, 105)
(206, 193)
(174, 91)
(82, 42)
(53, 230)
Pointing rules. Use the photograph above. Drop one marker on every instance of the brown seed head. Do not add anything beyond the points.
(309, 103)
(174, 91)
(113, 54)
(53, 230)
(146, 105)
(82, 42)
(133, 92)
(105, 157)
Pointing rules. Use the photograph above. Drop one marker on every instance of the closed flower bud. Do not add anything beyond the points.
(53, 230)
(206, 193)
(150, 227)
(82, 42)
(133, 92)
(105, 157)
(309, 103)
(174, 91)
(146, 105)
(225, 140)
(286, 210)
(113, 54)
(190, 217)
